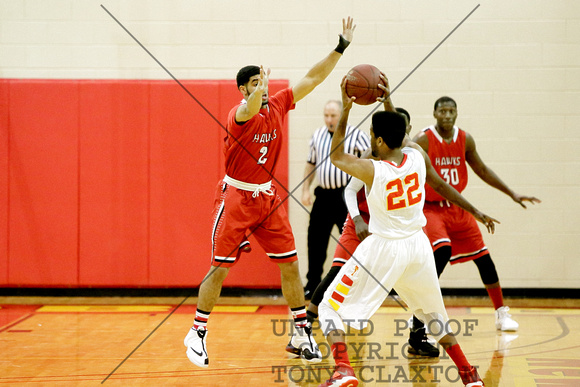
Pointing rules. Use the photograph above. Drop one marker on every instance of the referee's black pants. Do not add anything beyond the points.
(328, 210)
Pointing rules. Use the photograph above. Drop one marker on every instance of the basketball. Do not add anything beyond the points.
(362, 82)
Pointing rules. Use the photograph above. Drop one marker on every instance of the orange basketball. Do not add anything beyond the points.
(362, 82)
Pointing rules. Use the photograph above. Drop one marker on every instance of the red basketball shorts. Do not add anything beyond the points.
(450, 225)
(237, 214)
(347, 243)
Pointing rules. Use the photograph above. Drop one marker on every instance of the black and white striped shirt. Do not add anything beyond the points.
(329, 176)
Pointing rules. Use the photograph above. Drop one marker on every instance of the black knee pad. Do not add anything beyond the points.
(326, 281)
(442, 256)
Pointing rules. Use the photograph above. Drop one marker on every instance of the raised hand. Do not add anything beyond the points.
(346, 100)
(348, 28)
(386, 89)
(262, 86)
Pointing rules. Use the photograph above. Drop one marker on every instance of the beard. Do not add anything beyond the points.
(265, 101)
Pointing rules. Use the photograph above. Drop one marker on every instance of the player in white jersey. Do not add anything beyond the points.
(397, 254)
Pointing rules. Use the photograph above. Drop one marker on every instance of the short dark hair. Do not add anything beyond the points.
(443, 100)
(246, 73)
(404, 112)
(391, 127)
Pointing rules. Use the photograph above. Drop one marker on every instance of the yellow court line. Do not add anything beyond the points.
(135, 308)
(488, 310)
(254, 308)
(392, 310)
(545, 311)
(103, 308)
(236, 309)
(523, 311)
(482, 309)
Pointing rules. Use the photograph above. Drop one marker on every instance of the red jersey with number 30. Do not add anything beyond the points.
(252, 158)
(448, 160)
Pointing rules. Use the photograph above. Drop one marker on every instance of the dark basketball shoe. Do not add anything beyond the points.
(419, 345)
(303, 344)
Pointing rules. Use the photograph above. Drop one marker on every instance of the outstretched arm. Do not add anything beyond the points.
(488, 175)
(352, 165)
(318, 73)
(451, 194)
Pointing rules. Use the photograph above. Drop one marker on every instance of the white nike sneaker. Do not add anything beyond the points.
(196, 348)
(303, 344)
(503, 320)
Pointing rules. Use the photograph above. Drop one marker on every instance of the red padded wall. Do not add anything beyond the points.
(4, 124)
(43, 174)
(114, 183)
(111, 183)
(184, 171)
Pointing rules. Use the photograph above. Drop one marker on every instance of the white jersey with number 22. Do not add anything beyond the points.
(397, 196)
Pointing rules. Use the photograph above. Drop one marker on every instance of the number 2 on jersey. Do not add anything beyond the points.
(397, 199)
(263, 158)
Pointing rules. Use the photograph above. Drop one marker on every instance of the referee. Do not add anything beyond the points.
(329, 208)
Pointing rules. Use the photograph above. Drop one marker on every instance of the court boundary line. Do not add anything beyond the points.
(16, 322)
(565, 332)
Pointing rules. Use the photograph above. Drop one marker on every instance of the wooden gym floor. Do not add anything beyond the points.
(139, 342)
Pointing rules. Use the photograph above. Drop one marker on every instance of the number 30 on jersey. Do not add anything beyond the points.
(451, 176)
(402, 193)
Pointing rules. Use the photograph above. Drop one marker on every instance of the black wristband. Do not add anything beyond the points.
(342, 44)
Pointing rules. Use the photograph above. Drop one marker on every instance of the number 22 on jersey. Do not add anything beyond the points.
(402, 193)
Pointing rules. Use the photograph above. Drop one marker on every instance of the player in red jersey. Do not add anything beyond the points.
(453, 232)
(247, 201)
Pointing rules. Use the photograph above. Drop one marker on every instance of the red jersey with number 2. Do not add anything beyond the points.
(252, 148)
(448, 160)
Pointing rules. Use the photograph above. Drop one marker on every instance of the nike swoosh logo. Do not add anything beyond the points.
(197, 353)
